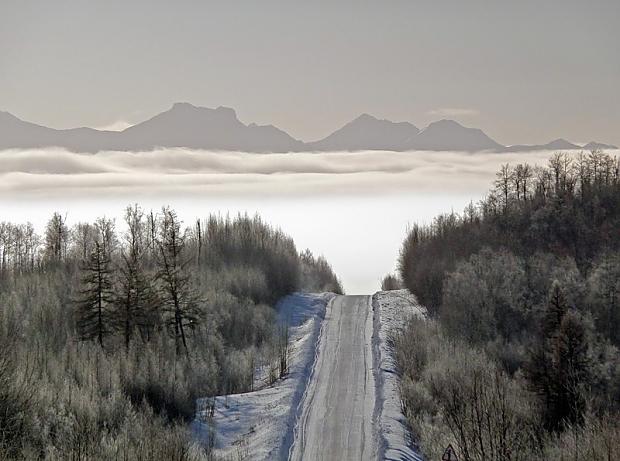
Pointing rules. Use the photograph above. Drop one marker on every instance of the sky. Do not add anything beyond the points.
(524, 72)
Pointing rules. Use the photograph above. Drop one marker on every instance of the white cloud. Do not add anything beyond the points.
(44, 172)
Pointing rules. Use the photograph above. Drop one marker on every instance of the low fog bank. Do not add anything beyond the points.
(353, 208)
(54, 171)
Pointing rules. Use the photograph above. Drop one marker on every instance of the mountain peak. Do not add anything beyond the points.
(561, 143)
(8, 116)
(227, 111)
(367, 132)
(365, 117)
(593, 145)
(445, 125)
(187, 108)
(445, 122)
(182, 105)
(450, 135)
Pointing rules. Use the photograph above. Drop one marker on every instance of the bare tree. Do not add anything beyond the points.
(503, 185)
(179, 299)
(56, 239)
(106, 235)
(522, 181)
(136, 303)
(84, 236)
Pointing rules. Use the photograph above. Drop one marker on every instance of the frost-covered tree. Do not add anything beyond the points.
(56, 239)
(484, 296)
(604, 296)
(106, 234)
(504, 186)
(84, 236)
(179, 299)
(136, 301)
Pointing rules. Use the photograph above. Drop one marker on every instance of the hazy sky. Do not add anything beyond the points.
(523, 71)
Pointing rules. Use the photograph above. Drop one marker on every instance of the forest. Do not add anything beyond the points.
(111, 331)
(518, 358)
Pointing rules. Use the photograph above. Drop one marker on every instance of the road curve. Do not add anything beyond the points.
(336, 420)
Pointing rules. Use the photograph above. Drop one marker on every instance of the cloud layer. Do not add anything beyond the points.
(52, 172)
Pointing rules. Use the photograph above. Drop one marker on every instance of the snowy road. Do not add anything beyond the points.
(336, 421)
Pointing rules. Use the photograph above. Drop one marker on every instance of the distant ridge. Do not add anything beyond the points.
(189, 126)
(556, 144)
(368, 133)
(592, 145)
(183, 125)
(450, 135)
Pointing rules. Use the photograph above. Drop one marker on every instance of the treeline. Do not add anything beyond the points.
(111, 331)
(568, 209)
(523, 291)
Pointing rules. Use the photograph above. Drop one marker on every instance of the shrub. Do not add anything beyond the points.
(453, 393)
(391, 282)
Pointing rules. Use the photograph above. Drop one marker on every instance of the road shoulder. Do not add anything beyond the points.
(391, 309)
(259, 425)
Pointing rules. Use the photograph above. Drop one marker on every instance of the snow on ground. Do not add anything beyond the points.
(391, 310)
(259, 425)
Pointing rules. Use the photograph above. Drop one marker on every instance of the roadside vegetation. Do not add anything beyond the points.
(519, 356)
(109, 332)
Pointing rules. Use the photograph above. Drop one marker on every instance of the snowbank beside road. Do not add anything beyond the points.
(391, 311)
(259, 425)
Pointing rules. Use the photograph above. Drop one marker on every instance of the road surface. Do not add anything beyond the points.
(336, 420)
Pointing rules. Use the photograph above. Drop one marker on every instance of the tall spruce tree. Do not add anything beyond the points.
(555, 311)
(94, 321)
(558, 368)
(573, 371)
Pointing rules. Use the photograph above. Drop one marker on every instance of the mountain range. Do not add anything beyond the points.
(185, 125)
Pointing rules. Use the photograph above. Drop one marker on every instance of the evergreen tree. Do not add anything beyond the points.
(93, 309)
(573, 373)
(558, 367)
(555, 311)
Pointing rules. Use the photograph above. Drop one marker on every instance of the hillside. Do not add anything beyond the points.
(523, 292)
